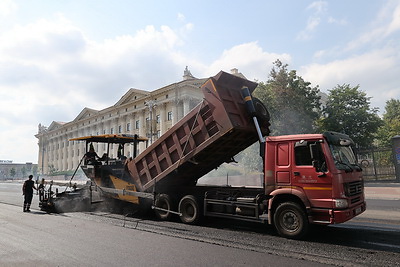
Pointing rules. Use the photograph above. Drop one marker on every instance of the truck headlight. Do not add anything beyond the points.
(341, 203)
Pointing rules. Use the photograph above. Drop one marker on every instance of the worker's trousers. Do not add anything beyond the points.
(27, 202)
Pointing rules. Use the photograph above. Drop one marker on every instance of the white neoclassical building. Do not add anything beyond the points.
(137, 112)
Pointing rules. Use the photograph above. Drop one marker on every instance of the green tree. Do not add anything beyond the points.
(348, 111)
(293, 104)
(250, 158)
(391, 123)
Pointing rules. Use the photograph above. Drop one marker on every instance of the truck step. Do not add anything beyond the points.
(246, 199)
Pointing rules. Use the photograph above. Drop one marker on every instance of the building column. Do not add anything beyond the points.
(186, 106)
(69, 152)
(42, 154)
(163, 117)
(65, 152)
(175, 113)
(59, 154)
(142, 129)
(132, 121)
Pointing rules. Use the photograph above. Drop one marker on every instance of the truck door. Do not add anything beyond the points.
(311, 174)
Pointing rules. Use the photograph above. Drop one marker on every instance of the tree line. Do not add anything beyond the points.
(297, 107)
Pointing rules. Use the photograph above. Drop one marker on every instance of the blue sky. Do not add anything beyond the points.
(57, 57)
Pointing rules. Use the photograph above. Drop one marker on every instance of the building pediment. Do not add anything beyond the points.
(55, 125)
(131, 96)
(85, 113)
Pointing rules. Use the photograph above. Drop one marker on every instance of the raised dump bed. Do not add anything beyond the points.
(209, 135)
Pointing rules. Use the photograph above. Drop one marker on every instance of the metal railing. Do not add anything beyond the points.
(377, 164)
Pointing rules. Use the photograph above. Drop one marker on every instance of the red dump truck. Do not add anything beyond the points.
(308, 178)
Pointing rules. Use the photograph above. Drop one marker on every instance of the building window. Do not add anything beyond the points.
(137, 124)
(120, 129)
(169, 116)
(158, 118)
(158, 134)
(112, 131)
(128, 127)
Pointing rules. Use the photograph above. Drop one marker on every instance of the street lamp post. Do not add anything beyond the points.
(151, 104)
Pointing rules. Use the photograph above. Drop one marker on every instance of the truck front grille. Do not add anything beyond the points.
(355, 200)
(353, 188)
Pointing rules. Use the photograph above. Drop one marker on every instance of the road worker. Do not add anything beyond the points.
(27, 191)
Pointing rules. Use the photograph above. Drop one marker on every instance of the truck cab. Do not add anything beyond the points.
(317, 174)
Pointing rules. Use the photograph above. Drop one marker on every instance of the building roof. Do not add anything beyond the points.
(111, 138)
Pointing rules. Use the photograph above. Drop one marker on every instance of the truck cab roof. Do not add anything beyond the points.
(332, 137)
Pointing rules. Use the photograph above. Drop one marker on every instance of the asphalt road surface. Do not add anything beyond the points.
(104, 239)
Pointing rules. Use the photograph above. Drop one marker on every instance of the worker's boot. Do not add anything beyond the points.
(24, 207)
(27, 207)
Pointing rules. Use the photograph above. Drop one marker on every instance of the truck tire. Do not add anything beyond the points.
(165, 202)
(290, 220)
(189, 210)
(262, 112)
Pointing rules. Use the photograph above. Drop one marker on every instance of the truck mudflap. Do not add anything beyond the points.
(331, 216)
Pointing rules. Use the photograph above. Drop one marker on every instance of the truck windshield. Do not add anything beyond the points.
(344, 158)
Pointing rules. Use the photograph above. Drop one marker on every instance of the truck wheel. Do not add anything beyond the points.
(189, 209)
(290, 220)
(164, 202)
(262, 112)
